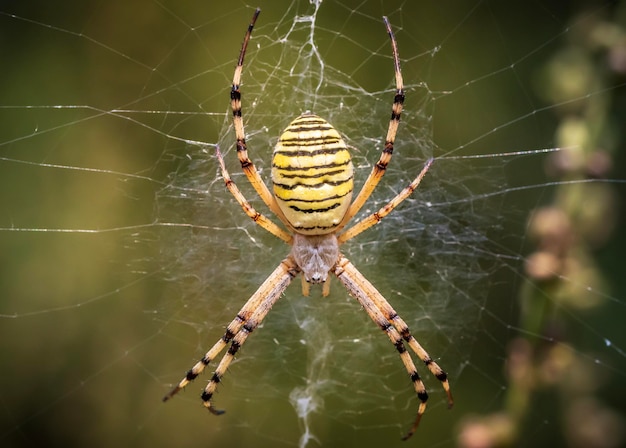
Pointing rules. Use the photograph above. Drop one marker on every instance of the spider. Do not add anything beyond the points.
(312, 177)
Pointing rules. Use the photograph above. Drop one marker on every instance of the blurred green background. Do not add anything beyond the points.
(99, 320)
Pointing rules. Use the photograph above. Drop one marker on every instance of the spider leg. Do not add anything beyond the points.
(392, 317)
(257, 217)
(247, 319)
(242, 149)
(382, 313)
(379, 168)
(376, 217)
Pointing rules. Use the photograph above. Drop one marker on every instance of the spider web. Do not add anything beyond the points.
(124, 257)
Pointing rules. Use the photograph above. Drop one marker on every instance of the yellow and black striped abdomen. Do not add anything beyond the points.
(312, 175)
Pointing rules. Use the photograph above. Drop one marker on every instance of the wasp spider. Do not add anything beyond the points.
(312, 177)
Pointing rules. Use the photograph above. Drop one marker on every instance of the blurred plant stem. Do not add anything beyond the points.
(561, 272)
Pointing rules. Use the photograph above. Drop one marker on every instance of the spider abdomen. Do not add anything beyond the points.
(312, 175)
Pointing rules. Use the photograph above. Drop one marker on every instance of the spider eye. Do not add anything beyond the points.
(316, 278)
